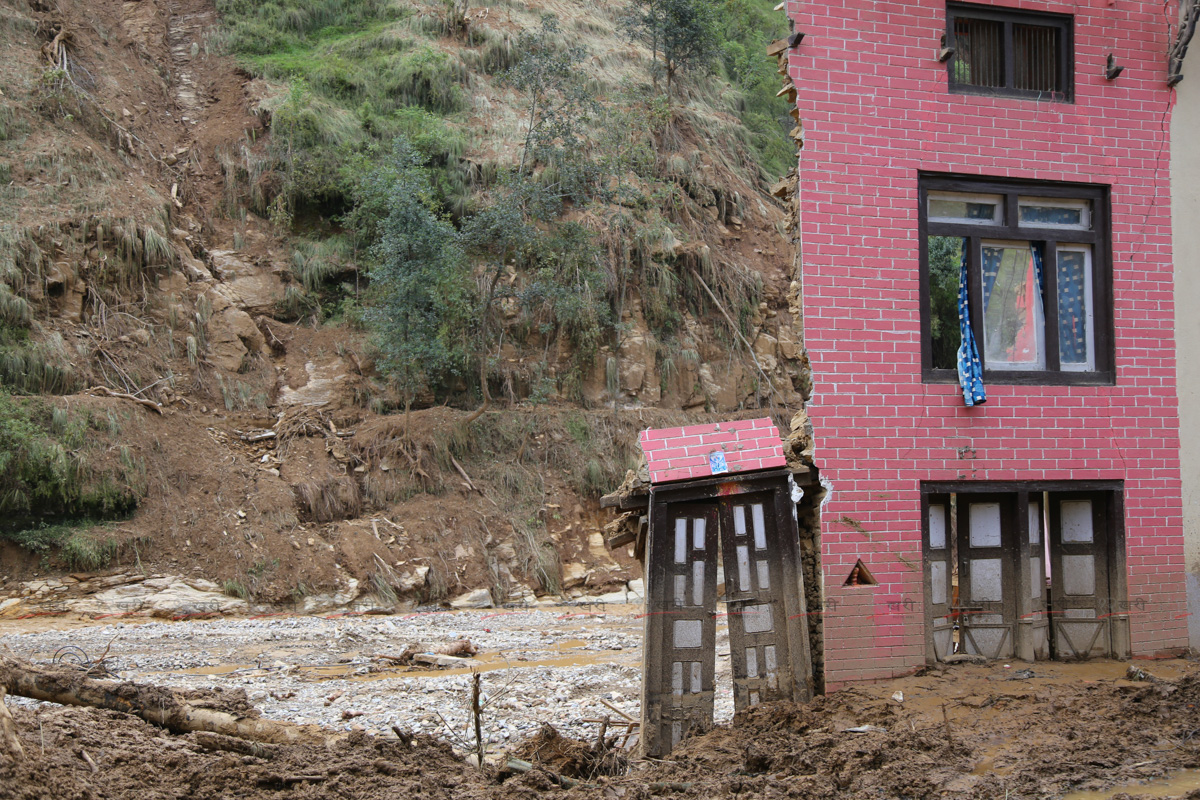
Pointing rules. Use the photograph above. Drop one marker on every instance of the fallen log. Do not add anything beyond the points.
(157, 705)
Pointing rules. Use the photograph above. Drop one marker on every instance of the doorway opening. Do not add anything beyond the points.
(1030, 571)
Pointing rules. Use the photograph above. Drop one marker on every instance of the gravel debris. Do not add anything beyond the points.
(548, 664)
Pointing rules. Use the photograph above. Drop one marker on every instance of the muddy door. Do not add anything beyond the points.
(1033, 624)
(754, 593)
(680, 642)
(1079, 593)
(987, 580)
(939, 577)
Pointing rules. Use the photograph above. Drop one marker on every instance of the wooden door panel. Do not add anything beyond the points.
(1033, 625)
(679, 658)
(939, 578)
(1079, 567)
(986, 553)
(754, 595)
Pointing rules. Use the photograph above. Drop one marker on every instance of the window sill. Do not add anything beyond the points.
(1019, 94)
(1006, 378)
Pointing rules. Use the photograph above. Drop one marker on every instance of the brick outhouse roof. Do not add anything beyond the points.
(699, 451)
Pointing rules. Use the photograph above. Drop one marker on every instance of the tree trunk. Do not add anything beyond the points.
(155, 704)
(8, 731)
(483, 376)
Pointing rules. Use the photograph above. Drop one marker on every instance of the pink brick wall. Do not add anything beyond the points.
(680, 453)
(876, 110)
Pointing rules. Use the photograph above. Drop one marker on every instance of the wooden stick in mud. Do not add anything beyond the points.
(600, 748)
(611, 707)
(155, 704)
(946, 721)
(477, 714)
(8, 731)
(141, 401)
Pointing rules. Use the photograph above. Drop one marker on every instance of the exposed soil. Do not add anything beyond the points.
(1001, 736)
(1004, 734)
(135, 759)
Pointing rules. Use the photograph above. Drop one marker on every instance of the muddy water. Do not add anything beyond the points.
(488, 662)
(1175, 786)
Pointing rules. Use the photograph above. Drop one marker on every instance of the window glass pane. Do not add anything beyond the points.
(1035, 58)
(970, 208)
(979, 52)
(1012, 307)
(1047, 213)
(945, 259)
(1076, 350)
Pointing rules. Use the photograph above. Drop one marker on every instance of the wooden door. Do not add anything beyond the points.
(987, 586)
(755, 596)
(939, 579)
(680, 643)
(1080, 596)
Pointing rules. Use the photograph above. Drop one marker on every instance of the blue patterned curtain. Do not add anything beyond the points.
(970, 370)
(992, 257)
(1035, 250)
(1072, 309)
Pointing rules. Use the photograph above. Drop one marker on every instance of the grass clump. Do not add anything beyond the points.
(86, 552)
(262, 28)
(354, 77)
(49, 478)
(79, 546)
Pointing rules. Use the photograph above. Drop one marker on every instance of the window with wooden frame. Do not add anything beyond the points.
(1028, 265)
(1008, 52)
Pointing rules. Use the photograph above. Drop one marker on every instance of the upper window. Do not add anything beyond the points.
(1027, 266)
(1007, 52)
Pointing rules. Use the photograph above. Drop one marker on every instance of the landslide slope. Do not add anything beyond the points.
(181, 223)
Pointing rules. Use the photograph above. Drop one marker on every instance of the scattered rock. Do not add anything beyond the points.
(479, 598)
(327, 385)
(435, 660)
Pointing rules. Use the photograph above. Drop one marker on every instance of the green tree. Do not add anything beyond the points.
(682, 33)
(945, 263)
(747, 27)
(560, 107)
(424, 295)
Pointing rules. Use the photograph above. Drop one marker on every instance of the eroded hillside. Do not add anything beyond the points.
(193, 383)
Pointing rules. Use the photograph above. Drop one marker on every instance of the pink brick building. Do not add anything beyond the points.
(985, 155)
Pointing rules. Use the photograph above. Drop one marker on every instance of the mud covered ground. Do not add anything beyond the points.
(1066, 730)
